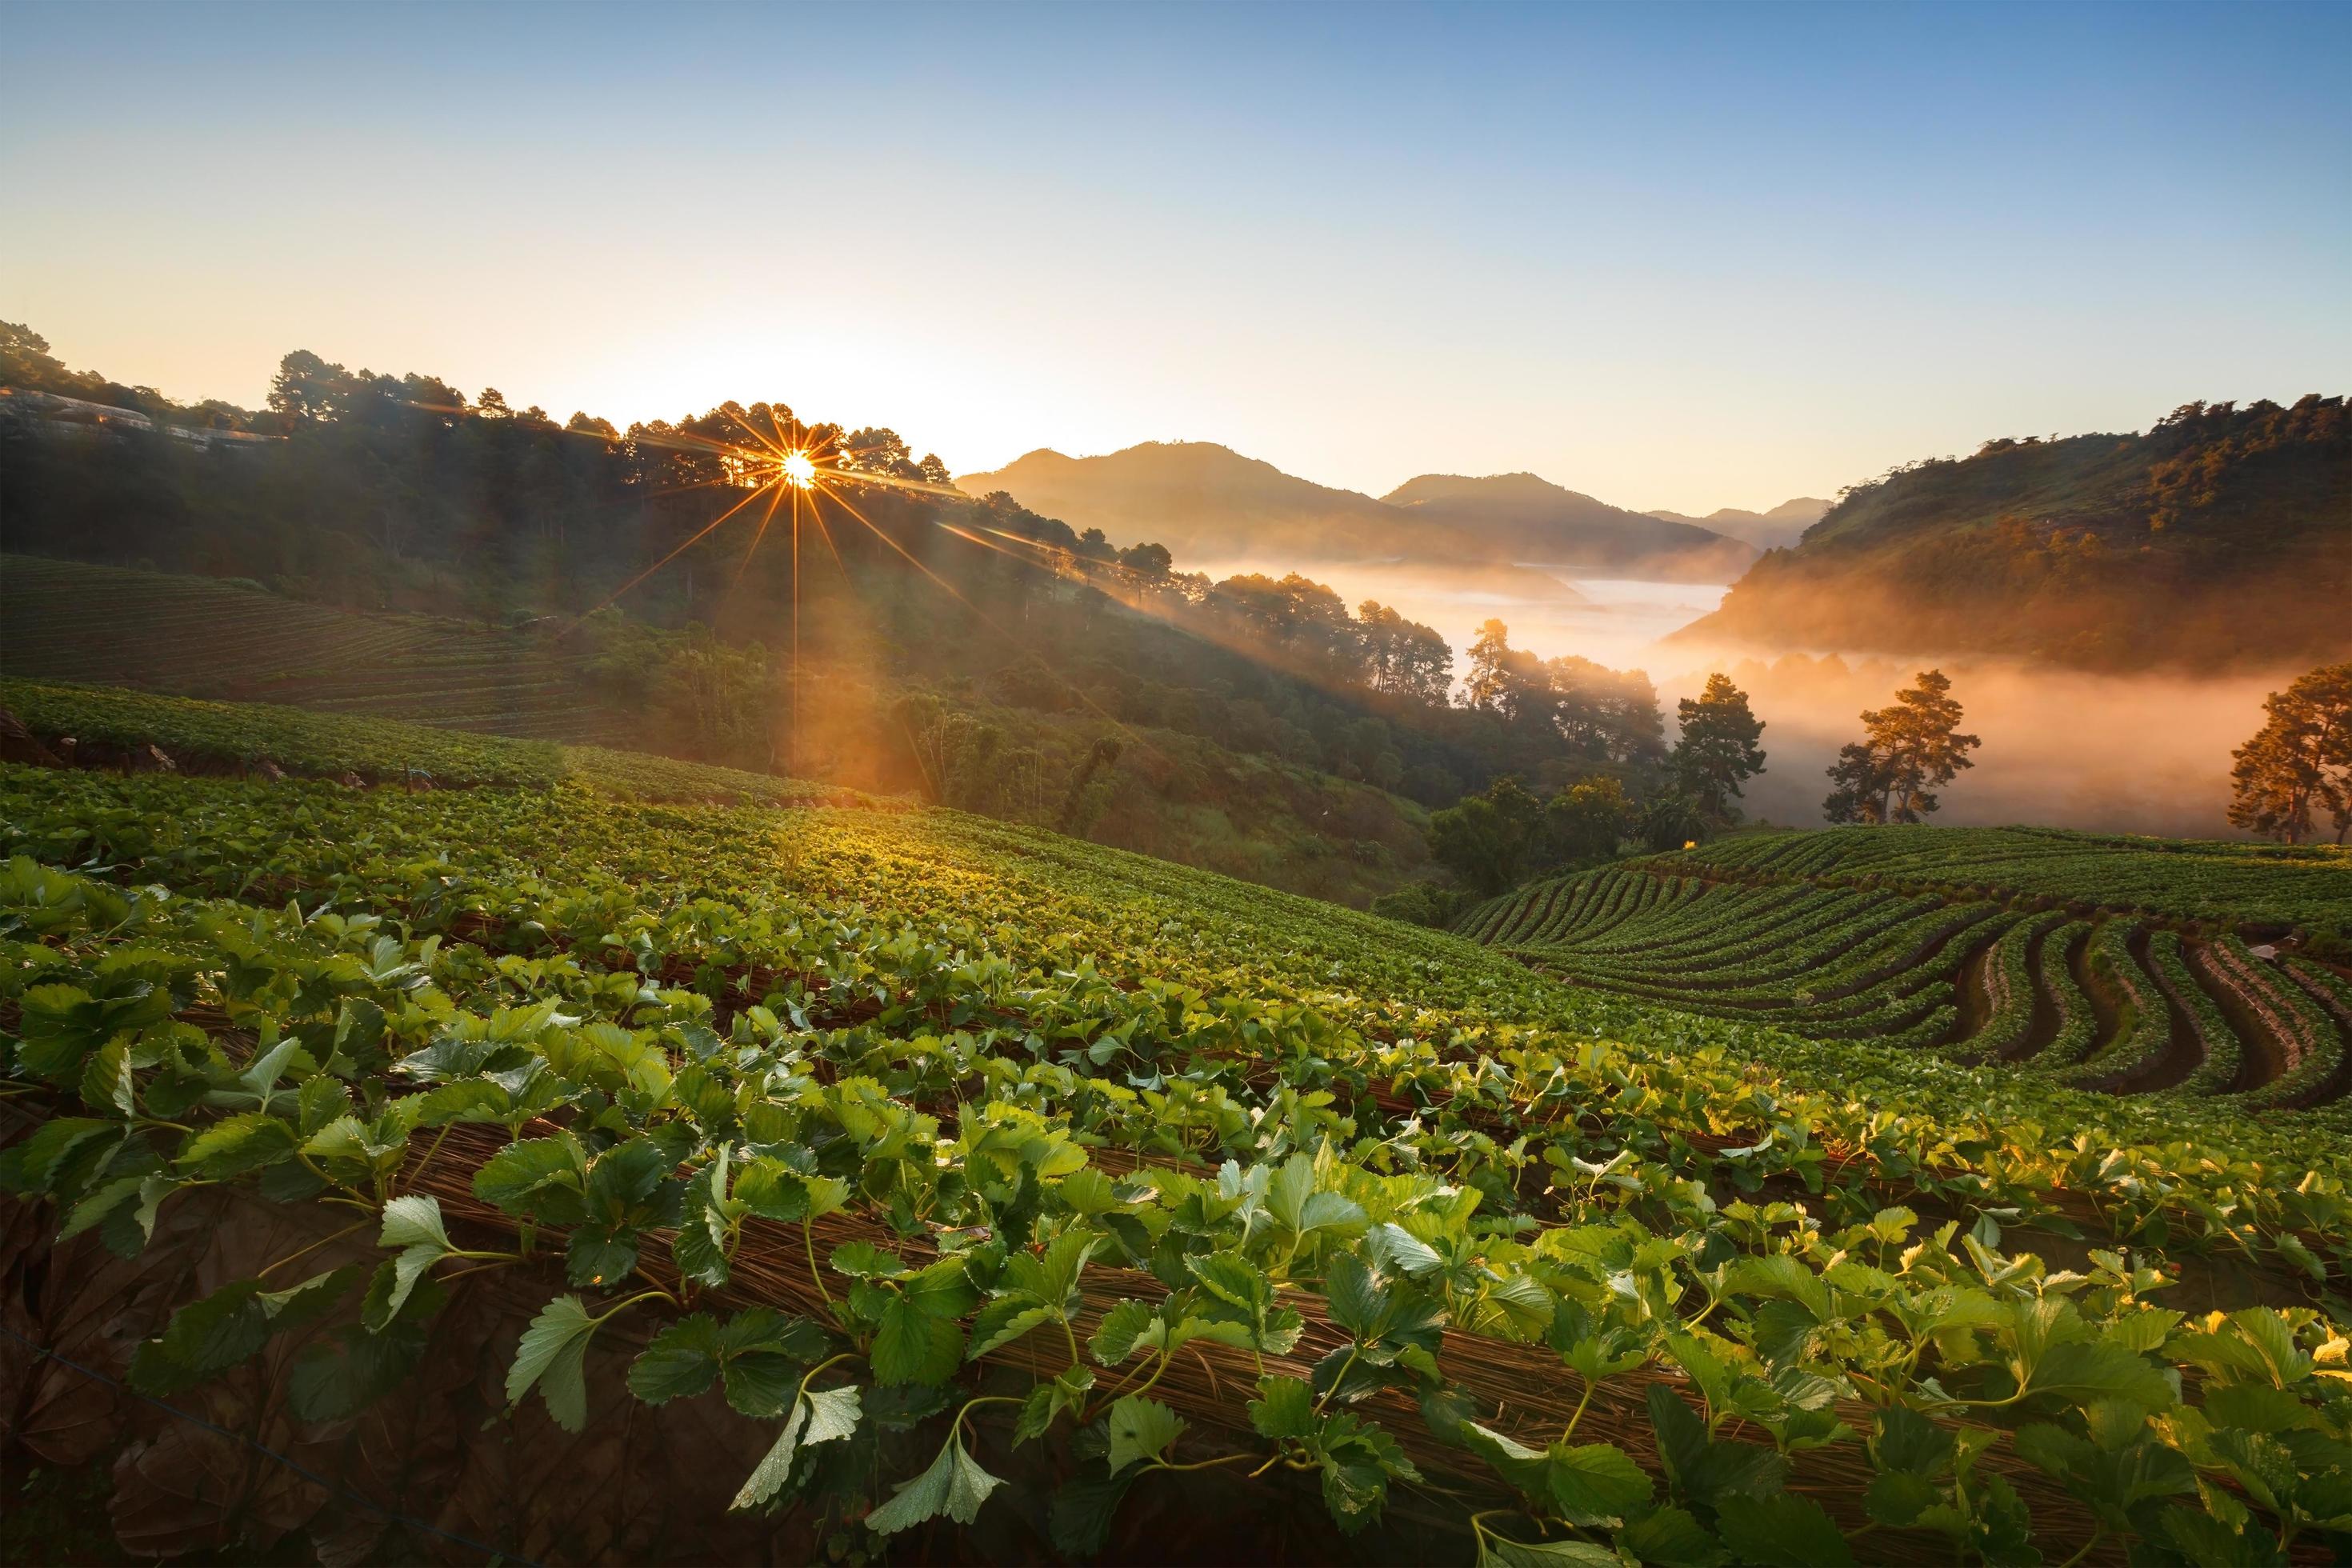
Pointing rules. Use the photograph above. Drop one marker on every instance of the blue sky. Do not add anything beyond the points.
(1680, 257)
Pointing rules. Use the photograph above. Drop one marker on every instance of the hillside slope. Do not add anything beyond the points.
(230, 641)
(2222, 537)
(405, 686)
(1207, 501)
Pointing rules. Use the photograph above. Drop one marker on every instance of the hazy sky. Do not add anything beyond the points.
(1671, 256)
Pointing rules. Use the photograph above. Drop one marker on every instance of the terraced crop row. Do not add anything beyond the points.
(216, 737)
(2011, 998)
(2268, 886)
(1783, 928)
(202, 636)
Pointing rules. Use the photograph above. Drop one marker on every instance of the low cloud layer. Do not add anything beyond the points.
(2117, 754)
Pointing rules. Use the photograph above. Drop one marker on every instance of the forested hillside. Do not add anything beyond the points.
(381, 544)
(2222, 537)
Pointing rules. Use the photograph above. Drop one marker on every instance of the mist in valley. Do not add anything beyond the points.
(2127, 754)
(2112, 753)
(1613, 621)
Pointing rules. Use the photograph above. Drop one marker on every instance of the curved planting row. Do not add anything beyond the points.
(210, 638)
(2139, 1034)
(2074, 1026)
(905, 1175)
(2308, 1042)
(2266, 887)
(1818, 934)
(2011, 999)
(2217, 1042)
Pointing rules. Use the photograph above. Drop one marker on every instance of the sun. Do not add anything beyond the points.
(798, 469)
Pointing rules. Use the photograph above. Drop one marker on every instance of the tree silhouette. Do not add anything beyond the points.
(2299, 762)
(1716, 752)
(1490, 678)
(1907, 752)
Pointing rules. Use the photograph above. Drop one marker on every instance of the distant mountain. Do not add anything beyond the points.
(1207, 502)
(1202, 500)
(1778, 528)
(1533, 520)
(2222, 537)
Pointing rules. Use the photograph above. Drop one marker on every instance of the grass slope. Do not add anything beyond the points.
(1171, 794)
(214, 637)
(218, 736)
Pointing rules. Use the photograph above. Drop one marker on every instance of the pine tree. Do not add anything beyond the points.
(1716, 752)
(2300, 762)
(1909, 752)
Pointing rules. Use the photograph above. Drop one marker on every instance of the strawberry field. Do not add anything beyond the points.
(533, 1171)
(207, 638)
(238, 737)
(1951, 941)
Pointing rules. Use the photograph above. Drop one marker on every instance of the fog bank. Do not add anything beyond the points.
(1613, 621)
(2113, 754)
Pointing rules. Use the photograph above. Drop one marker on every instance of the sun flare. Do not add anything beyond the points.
(798, 470)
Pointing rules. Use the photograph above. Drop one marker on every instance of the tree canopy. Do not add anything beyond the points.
(1494, 841)
(2300, 762)
(1909, 752)
(1716, 750)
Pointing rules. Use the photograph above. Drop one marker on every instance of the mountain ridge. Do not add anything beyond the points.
(1204, 500)
(1778, 528)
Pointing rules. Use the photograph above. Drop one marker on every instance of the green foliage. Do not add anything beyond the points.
(1034, 1123)
(1715, 750)
(1490, 841)
(553, 1359)
(1427, 903)
(1907, 752)
(1499, 839)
